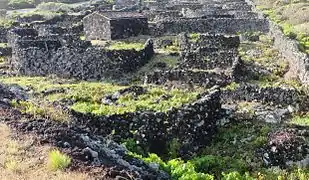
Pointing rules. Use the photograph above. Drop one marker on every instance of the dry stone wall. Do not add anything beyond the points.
(192, 125)
(214, 25)
(289, 48)
(209, 51)
(70, 57)
(3, 34)
(205, 79)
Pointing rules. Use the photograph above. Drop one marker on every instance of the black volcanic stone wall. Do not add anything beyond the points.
(208, 51)
(18, 33)
(5, 51)
(273, 95)
(46, 30)
(217, 41)
(187, 77)
(215, 25)
(67, 57)
(193, 125)
(204, 59)
(3, 34)
(124, 28)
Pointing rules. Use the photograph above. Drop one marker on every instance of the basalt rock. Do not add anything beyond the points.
(193, 125)
(283, 146)
(88, 150)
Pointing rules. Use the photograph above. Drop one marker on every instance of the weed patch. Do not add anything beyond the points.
(58, 161)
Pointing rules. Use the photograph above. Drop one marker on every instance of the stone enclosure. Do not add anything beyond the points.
(206, 36)
(114, 25)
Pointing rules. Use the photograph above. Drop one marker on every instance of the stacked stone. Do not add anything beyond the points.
(210, 51)
(213, 57)
(193, 125)
(3, 32)
(68, 56)
(220, 16)
(205, 61)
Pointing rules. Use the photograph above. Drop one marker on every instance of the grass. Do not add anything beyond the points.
(170, 61)
(54, 7)
(43, 13)
(87, 97)
(194, 37)
(293, 17)
(2, 60)
(3, 44)
(261, 53)
(300, 120)
(7, 23)
(232, 87)
(125, 46)
(145, 102)
(22, 158)
(58, 160)
(20, 4)
(42, 110)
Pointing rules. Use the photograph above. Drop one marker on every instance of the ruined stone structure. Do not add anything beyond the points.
(192, 124)
(3, 35)
(209, 51)
(68, 56)
(208, 60)
(114, 25)
(213, 25)
(289, 48)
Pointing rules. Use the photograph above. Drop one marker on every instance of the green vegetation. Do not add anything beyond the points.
(128, 103)
(172, 49)
(87, 96)
(168, 60)
(193, 37)
(261, 53)
(292, 16)
(132, 146)
(42, 110)
(233, 147)
(300, 120)
(177, 168)
(2, 60)
(4, 22)
(45, 14)
(21, 4)
(231, 156)
(3, 44)
(58, 160)
(125, 46)
(54, 7)
(233, 86)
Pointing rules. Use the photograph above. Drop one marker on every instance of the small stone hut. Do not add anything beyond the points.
(114, 25)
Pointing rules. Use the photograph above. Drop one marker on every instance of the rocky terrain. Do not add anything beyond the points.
(201, 90)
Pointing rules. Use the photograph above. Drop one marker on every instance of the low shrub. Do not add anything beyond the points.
(58, 160)
(177, 168)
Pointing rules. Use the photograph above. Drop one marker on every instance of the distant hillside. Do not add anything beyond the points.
(293, 16)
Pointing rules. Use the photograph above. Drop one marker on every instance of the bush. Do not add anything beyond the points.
(217, 164)
(236, 176)
(177, 168)
(58, 161)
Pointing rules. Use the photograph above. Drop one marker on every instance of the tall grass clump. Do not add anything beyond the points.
(58, 160)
